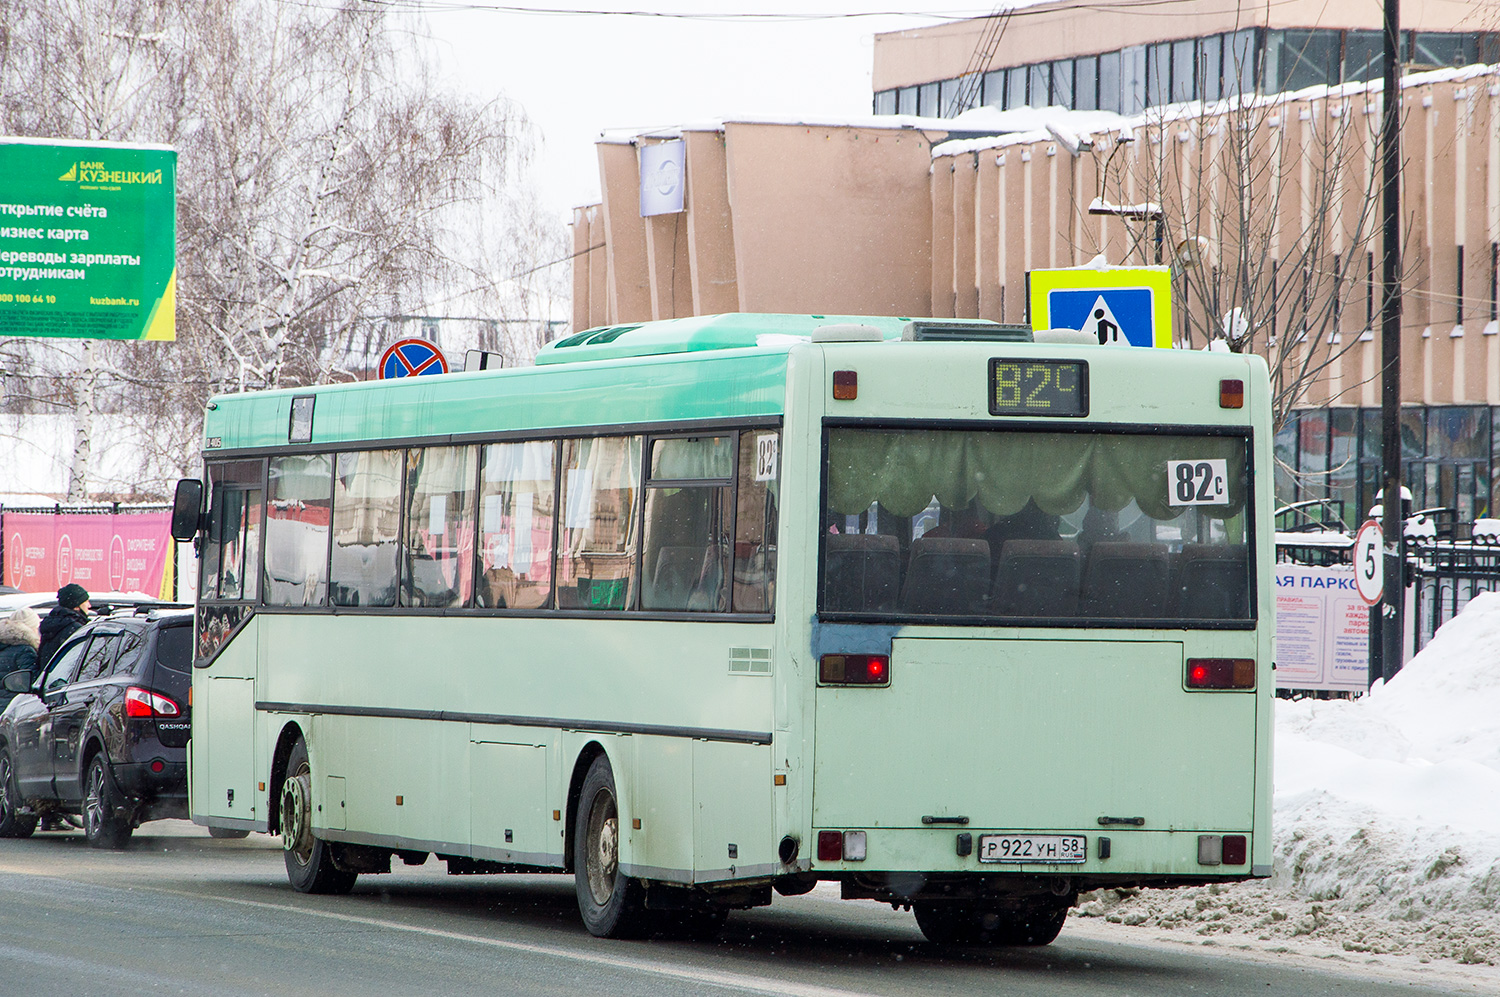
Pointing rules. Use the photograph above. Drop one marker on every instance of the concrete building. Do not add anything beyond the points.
(1262, 200)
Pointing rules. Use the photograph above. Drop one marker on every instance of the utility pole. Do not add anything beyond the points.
(1393, 602)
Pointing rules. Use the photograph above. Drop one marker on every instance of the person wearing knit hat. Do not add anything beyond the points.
(20, 635)
(70, 613)
(72, 595)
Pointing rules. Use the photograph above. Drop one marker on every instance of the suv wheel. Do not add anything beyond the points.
(13, 824)
(100, 825)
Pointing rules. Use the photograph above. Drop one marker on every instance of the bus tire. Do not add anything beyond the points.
(13, 823)
(101, 826)
(611, 903)
(961, 923)
(309, 859)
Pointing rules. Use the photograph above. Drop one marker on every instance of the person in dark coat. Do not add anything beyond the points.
(20, 635)
(70, 613)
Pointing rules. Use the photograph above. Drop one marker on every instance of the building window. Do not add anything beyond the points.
(1364, 56)
(1133, 79)
(906, 100)
(1039, 88)
(1210, 67)
(1301, 58)
(1158, 74)
(1015, 87)
(1184, 71)
(994, 88)
(1062, 84)
(1109, 82)
(1086, 83)
(927, 101)
(1437, 49)
(1242, 58)
(885, 102)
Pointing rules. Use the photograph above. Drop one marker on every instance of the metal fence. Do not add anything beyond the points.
(1444, 576)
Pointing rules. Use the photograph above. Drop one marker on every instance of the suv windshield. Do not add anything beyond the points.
(1016, 525)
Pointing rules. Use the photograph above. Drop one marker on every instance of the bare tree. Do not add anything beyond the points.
(326, 182)
(1266, 209)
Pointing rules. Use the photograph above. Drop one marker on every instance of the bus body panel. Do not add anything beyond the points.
(1033, 734)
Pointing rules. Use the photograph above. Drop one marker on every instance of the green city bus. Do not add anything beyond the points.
(962, 618)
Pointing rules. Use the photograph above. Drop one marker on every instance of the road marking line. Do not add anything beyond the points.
(718, 978)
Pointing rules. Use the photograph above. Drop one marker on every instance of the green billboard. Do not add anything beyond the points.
(88, 238)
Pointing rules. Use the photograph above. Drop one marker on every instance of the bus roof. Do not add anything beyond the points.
(703, 332)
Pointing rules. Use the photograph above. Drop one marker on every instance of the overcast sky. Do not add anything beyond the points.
(576, 75)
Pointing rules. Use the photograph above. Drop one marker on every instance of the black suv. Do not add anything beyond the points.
(103, 732)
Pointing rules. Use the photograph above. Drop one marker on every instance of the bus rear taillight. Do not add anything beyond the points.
(1221, 673)
(854, 669)
(1231, 393)
(846, 846)
(144, 703)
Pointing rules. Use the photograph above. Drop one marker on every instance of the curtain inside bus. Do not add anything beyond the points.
(1140, 529)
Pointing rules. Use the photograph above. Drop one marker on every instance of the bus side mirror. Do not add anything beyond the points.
(187, 509)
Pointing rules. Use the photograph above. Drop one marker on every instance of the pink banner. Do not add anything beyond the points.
(121, 552)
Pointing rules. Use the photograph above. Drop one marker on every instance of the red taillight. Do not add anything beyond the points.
(854, 669)
(145, 703)
(845, 385)
(830, 846)
(1221, 673)
(1234, 849)
(1231, 393)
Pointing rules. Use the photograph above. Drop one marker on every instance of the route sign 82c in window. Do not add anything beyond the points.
(1197, 482)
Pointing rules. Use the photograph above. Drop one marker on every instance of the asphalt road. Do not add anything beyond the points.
(181, 913)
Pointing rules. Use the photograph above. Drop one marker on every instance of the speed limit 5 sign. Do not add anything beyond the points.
(1369, 562)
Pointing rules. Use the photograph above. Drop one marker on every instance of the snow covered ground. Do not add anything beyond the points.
(1387, 824)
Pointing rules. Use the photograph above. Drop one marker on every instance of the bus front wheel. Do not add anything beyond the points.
(961, 923)
(612, 904)
(309, 859)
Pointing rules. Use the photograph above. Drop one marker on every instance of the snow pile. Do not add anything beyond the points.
(1387, 817)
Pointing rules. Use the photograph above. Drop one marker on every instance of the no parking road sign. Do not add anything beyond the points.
(1122, 306)
(410, 357)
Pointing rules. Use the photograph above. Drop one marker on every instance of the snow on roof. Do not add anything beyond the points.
(627, 136)
(1038, 124)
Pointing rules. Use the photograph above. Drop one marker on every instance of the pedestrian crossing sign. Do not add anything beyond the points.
(1122, 306)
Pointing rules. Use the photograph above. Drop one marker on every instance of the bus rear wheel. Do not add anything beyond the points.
(309, 859)
(612, 904)
(963, 923)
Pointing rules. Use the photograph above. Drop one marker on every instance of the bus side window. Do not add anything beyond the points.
(230, 565)
(300, 501)
(597, 543)
(758, 499)
(438, 536)
(688, 510)
(366, 525)
(517, 506)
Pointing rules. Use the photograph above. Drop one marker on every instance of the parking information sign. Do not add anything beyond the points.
(88, 234)
(1121, 306)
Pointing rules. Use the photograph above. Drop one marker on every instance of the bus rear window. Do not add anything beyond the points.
(1015, 526)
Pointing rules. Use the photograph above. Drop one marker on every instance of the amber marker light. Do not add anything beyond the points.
(1231, 393)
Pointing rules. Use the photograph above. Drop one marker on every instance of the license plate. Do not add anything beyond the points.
(1048, 849)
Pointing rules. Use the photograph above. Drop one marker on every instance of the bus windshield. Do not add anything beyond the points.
(1021, 526)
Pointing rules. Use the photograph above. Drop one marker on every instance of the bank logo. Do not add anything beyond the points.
(72, 174)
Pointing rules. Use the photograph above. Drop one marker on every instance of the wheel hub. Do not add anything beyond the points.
(296, 816)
